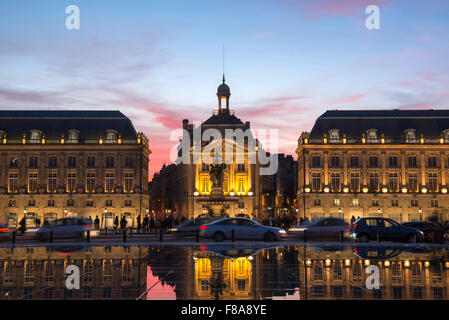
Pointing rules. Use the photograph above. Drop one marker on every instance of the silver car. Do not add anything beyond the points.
(325, 228)
(67, 228)
(244, 229)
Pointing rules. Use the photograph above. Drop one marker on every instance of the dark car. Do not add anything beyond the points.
(366, 229)
(432, 232)
(191, 226)
(5, 232)
(325, 228)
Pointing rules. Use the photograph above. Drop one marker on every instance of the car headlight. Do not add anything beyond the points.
(282, 231)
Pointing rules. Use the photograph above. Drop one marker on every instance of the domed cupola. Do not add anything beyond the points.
(223, 94)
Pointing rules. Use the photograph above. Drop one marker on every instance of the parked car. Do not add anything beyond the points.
(5, 232)
(324, 228)
(432, 231)
(244, 229)
(191, 226)
(366, 229)
(67, 228)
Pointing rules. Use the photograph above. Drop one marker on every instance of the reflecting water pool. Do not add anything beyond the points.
(225, 272)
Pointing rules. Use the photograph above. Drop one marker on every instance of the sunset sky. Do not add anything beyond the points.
(286, 61)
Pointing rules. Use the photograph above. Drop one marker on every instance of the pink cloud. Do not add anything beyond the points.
(318, 9)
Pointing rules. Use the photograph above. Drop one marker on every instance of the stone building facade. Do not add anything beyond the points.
(375, 163)
(71, 163)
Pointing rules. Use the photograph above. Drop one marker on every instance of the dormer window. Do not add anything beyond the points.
(371, 135)
(446, 136)
(73, 136)
(111, 136)
(410, 136)
(35, 136)
(334, 136)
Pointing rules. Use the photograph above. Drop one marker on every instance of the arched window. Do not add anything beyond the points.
(111, 136)
(334, 136)
(410, 136)
(35, 136)
(446, 136)
(73, 136)
(372, 135)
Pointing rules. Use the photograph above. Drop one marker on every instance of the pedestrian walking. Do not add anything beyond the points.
(138, 224)
(123, 223)
(145, 224)
(116, 224)
(22, 224)
(97, 223)
(38, 222)
(151, 224)
(352, 220)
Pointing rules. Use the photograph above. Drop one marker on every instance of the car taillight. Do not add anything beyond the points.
(88, 226)
(4, 229)
(355, 226)
(203, 227)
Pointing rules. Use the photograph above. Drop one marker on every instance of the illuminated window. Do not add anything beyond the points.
(316, 181)
(107, 270)
(32, 182)
(335, 181)
(336, 202)
(413, 203)
(48, 271)
(432, 182)
(71, 182)
(109, 182)
(355, 202)
(13, 182)
(52, 182)
(129, 182)
(413, 182)
(374, 182)
(354, 182)
(393, 182)
(90, 181)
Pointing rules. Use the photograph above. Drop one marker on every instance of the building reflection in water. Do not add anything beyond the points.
(221, 272)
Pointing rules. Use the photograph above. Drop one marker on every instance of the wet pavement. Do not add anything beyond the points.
(240, 271)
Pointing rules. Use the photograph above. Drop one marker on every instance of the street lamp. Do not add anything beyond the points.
(339, 212)
(65, 212)
(378, 211)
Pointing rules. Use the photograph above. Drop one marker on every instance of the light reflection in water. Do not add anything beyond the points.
(224, 272)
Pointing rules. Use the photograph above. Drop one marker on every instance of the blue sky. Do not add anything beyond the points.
(286, 61)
